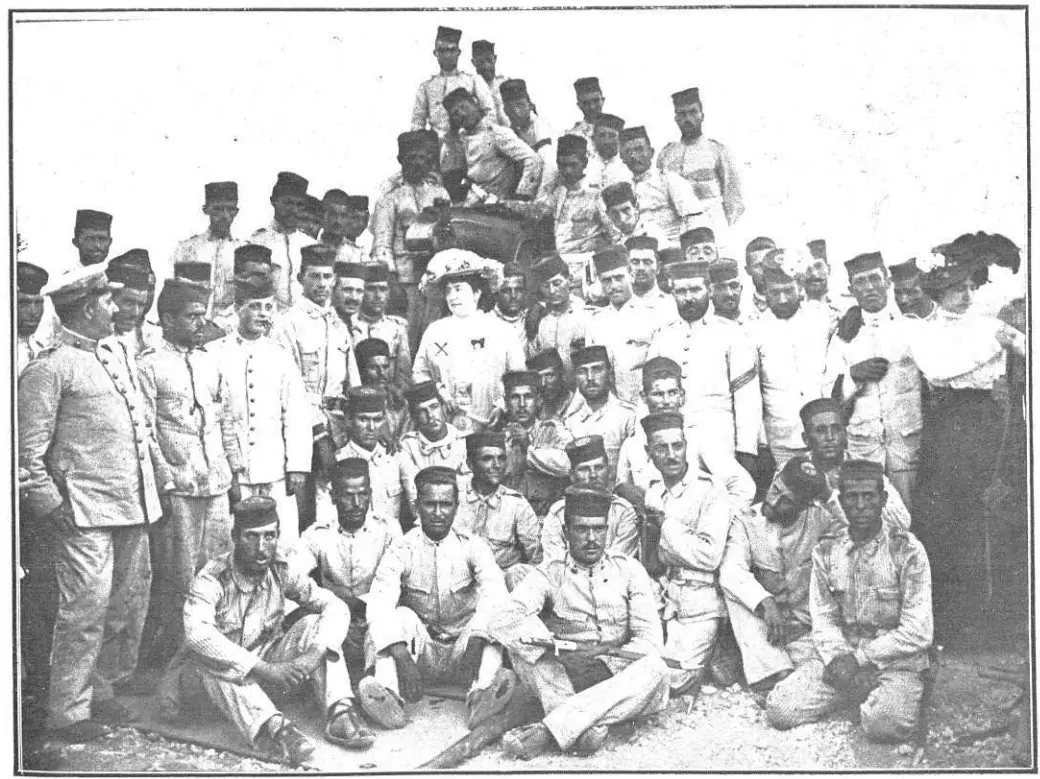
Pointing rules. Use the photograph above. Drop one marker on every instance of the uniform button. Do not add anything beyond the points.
(132, 407)
(250, 385)
(140, 440)
(252, 413)
(252, 430)
(686, 348)
(249, 370)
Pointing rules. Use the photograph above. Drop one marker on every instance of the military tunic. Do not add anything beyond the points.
(285, 260)
(667, 201)
(581, 220)
(220, 254)
(385, 478)
(418, 452)
(707, 165)
(603, 173)
(563, 331)
(393, 214)
(493, 153)
(508, 523)
(614, 420)
(627, 333)
(392, 330)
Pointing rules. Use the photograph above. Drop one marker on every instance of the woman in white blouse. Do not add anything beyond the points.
(961, 353)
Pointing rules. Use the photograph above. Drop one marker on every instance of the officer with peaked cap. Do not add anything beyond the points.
(590, 103)
(283, 238)
(30, 280)
(80, 414)
(704, 162)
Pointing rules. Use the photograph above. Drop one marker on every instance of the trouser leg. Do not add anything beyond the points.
(416, 313)
(547, 678)
(127, 609)
(802, 697)
(690, 644)
(245, 704)
(760, 658)
(330, 680)
(413, 634)
(801, 650)
(305, 495)
(890, 713)
(83, 566)
(38, 601)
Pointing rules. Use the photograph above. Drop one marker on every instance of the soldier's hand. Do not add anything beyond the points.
(869, 371)
(470, 663)
(840, 672)
(294, 480)
(864, 682)
(281, 676)
(776, 628)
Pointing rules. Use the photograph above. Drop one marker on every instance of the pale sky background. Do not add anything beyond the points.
(883, 129)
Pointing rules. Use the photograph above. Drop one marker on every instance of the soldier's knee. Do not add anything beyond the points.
(781, 713)
(885, 725)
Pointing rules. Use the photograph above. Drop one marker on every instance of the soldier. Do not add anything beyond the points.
(665, 198)
(581, 220)
(396, 210)
(553, 393)
(372, 321)
(605, 165)
(31, 279)
(92, 236)
(642, 262)
(698, 245)
(311, 218)
(188, 401)
(429, 110)
(484, 61)
(240, 655)
(583, 692)
(871, 642)
(132, 331)
(431, 604)
(765, 570)
(93, 466)
(720, 376)
(348, 292)
(704, 162)
(501, 516)
(564, 323)
(625, 326)
(252, 261)
(366, 417)
(536, 464)
(282, 237)
(215, 246)
(598, 410)
(343, 556)
(754, 263)
(373, 356)
(626, 217)
(511, 298)
(816, 281)
(589, 468)
(590, 103)
(909, 295)
(271, 414)
(696, 517)
(345, 226)
(879, 378)
(433, 441)
(792, 352)
(726, 289)
(825, 433)
(530, 128)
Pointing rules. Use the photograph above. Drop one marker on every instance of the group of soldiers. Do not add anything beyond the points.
(239, 467)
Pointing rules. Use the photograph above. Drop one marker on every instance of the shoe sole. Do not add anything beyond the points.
(379, 704)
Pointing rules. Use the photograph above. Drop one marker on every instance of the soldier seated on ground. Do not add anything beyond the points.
(871, 641)
(429, 609)
(237, 652)
(603, 601)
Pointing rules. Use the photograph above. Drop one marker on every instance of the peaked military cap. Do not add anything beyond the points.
(31, 278)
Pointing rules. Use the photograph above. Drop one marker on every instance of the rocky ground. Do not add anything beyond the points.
(721, 730)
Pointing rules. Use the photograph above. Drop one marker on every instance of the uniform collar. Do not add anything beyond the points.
(360, 451)
(426, 446)
(365, 528)
(425, 540)
(869, 547)
(368, 320)
(575, 566)
(208, 236)
(887, 314)
(245, 584)
(72, 338)
(312, 309)
(504, 318)
(493, 500)
(172, 347)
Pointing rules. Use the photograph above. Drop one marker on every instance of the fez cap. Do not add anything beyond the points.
(357, 202)
(289, 183)
(586, 502)
(818, 248)
(547, 267)
(610, 121)
(334, 197)
(421, 392)
(255, 511)
(178, 292)
(803, 478)
(365, 400)
(475, 441)
(690, 270)
(567, 145)
(860, 469)
(349, 270)
(455, 97)
(449, 35)
(221, 192)
(483, 47)
(317, 254)
(371, 347)
(862, 263)
(661, 420)
(632, 133)
(436, 474)
(818, 406)
(92, 220)
(617, 193)
(136, 257)
(946, 276)
(686, 97)
(773, 271)
(723, 269)
(513, 89)
(586, 84)
(377, 273)
(131, 276)
(79, 284)
(641, 242)
(31, 278)
(350, 468)
(585, 448)
(670, 255)
(253, 288)
(610, 259)
(657, 367)
(511, 379)
(251, 252)
(193, 270)
(695, 236)
(312, 208)
(413, 139)
(904, 270)
(591, 354)
(547, 358)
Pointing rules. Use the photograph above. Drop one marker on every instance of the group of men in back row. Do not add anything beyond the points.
(600, 459)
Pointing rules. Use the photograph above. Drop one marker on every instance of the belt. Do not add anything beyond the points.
(677, 574)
